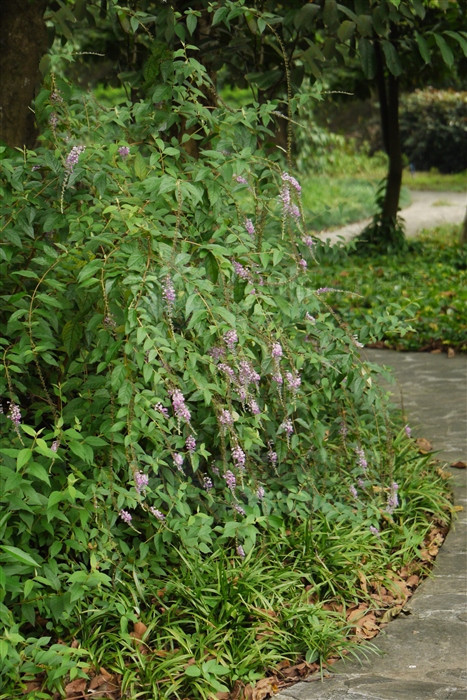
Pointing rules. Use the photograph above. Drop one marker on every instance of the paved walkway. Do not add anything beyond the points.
(427, 210)
(423, 653)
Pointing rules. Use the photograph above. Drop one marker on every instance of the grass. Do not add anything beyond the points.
(430, 277)
(210, 624)
(433, 180)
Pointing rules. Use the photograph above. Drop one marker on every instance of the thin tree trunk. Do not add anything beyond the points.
(23, 42)
(394, 178)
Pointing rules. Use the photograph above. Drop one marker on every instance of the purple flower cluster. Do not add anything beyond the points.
(55, 445)
(241, 271)
(287, 426)
(14, 414)
(303, 263)
(408, 430)
(239, 509)
(168, 292)
(190, 443)
(374, 531)
(260, 493)
(179, 407)
(230, 480)
(361, 458)
(310, 318)
(157, 513)
(353, 491)
(161, 409)
(254, 408)
(246, 374)
(288, 207)
(56, 97)
(226, 369)
(225, 417)
(288, 178)
(231, 339)
(238, 457)
(178, 461)
(124, 152)
(241, 180)
(73, 157)
(207, 483)
(293, 381)
(250, 227)
(276, 350)
(393, 500)
(125, 516)
(308, 241)
(141, 481)
(240, 551)
(216, 353)
(272, 456)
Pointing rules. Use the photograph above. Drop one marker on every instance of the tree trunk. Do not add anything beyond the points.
(394, 177)
(23, 42)
(388, 93)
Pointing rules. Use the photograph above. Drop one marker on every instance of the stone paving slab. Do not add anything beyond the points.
(423, 652)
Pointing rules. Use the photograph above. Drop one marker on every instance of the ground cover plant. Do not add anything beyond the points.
(199, 479)
(429, 277)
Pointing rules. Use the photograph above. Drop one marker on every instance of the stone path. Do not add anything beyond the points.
(423, 653)
(427, 210)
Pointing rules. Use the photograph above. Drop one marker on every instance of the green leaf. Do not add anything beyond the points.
(219, 15)
(212, 267)
(423, 47)
(330, 15)
(191, 22)
(72, 332)
(346, 30)
(140, 166)
(39, 472)
(365, 25)
(19, 555)
(446, 51)
(392, 59)
(367, 58)
(193, 671)
(460, 39)
(23, 457)
(90, 270)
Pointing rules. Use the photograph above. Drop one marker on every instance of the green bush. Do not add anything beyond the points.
(175, 387)
(434, 130)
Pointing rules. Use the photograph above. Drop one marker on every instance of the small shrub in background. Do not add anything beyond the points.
(433, 127)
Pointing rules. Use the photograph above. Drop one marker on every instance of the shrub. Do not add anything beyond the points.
(171, 379)
(433, 127)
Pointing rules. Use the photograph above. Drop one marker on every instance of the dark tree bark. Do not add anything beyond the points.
(388, 92)
(23, 42)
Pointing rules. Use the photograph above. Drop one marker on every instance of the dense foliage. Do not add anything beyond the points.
(428, 279)
(434, 130)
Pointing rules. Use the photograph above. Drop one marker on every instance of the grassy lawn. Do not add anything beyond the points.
(430, 278)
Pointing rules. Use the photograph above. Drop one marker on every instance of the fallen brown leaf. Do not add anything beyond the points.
(451, 353)
(459, 465)
(390, 614)
(424, 445)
